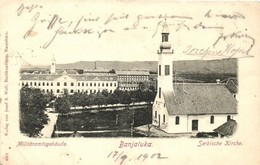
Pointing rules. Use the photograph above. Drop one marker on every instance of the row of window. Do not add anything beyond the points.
(133, 76)
(177, 119)
(72, 91)
(97, 84)
(132, 79)
(66, 84)
(129, 88)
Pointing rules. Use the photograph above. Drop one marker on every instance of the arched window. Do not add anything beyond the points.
(228, 117)
(177, 120)
(211, 119)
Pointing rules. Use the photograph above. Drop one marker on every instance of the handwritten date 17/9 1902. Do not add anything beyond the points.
(121, 156)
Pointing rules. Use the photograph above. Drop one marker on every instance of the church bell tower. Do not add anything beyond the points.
(165, 68)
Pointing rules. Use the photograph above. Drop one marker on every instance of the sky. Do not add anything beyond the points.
(95, 31)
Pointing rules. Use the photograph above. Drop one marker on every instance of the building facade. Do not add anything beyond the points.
(188, 107)
(130, 80)
(59, 84)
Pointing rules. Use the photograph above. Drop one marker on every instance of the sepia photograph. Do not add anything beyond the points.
(129, 82)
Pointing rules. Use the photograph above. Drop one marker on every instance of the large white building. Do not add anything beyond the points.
(57, 82)
(188, 107)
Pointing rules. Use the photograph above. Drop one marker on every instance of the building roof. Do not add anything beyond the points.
(67, 71)
(228, 128)
(79, 77)
(47, 77)
(133, 72)
(94, 77)
(199, 98)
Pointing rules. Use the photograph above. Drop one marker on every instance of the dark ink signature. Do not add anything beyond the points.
(234, 15)
(121, 157)
(236, 35)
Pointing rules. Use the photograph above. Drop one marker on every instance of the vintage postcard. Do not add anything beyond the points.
(129, 82)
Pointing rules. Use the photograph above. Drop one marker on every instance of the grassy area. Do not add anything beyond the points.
(105, 120)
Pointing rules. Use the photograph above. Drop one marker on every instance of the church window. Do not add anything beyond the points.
(98, 84)
(107, 84)
(72, 84)
(155, 114)
(39, 84)
(65, 84)
(58, 91)
(71, 91)
(160, 92)
(43, 84)
(47, 84)
(163, 117)
(159, 70)
(51, 84)
(167, 70)
(115, 84)
(211, 119)
(58, 83)
(177, 120)
(78, 84)
(82, 84)
(35, 83)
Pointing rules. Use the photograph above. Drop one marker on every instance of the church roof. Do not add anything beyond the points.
(199, 98)
(228, 128)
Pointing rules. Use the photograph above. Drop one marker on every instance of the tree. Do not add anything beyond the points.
(62, 105)
(32, 111)
(99, 99)
(113, 99)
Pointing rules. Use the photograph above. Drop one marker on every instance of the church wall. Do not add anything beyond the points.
(204, 124)
(185, 123)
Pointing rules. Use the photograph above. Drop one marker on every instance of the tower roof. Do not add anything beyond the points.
(165, 28)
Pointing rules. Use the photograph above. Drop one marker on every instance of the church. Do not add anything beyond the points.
(188, 107)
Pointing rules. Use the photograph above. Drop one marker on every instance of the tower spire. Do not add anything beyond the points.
(165, 37)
